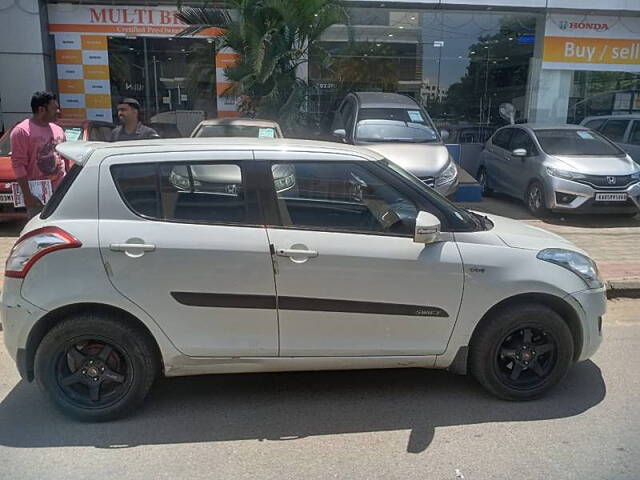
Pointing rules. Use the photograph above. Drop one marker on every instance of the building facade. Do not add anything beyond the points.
(556, 61)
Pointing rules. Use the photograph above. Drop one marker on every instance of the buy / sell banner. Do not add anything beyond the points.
(587, 42)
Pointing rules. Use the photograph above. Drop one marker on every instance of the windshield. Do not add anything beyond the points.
(459, 218)
(236, 131)
(575, 142)
(395, 125)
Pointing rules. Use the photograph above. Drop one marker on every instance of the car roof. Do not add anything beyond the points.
(625, 116)
(253, 122)
(384, 100)
(542, 126)
(80, 152)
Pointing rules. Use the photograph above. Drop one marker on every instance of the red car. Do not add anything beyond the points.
(73, 129)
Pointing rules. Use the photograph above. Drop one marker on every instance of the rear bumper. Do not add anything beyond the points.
(585, 202)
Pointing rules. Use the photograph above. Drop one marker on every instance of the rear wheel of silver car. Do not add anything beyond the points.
(521, 352)
(95, 368)
(483, 180)
(535, 199)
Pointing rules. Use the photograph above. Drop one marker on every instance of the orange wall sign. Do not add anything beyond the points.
(592, 43)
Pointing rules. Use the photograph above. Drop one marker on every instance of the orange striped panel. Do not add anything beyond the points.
(71, 86)
(96, 72)
(222, 87)
(94, 42)
(226, 59)
(69, 57)
(73, 113)
(228, 114)
(94, 100)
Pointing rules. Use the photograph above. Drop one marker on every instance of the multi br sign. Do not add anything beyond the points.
(117, 20)
(592, 43)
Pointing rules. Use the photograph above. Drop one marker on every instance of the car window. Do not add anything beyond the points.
(502, 137)
(614, 130)
(191, 193)
(100, 134)
(341, 197)
(249, 131)
(521, 139)
(634, 136)
(595, 124)
(575, 142)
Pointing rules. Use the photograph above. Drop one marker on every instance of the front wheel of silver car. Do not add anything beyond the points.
(95, 368)
(521, 352)
(535, 199)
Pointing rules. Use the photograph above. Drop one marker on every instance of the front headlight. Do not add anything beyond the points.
(635, 175)
(566, 174)
(447, 175)
(579, 264)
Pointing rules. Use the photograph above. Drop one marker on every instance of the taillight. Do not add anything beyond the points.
(34, 245)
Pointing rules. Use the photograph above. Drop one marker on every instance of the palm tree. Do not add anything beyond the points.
(272, 38)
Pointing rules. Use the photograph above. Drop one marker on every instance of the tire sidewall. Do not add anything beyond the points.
(543, 206)
(141, 367)
(485, 350)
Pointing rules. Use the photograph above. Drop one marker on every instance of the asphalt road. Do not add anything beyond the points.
(392, 424)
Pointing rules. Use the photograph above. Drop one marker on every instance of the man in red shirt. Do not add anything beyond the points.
(33, 143)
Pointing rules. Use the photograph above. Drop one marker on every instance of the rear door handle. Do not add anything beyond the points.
(140, 247)
(296, 253)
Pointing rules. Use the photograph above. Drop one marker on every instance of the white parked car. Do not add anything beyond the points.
(236, 255)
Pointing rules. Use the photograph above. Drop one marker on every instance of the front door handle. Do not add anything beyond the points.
(140, 247)
(284, 252)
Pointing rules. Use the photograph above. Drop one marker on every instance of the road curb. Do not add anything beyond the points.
(623, 288)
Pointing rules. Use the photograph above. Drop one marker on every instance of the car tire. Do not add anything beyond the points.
(521, 352)
(483, 181)
(535, 199)
(95, 368)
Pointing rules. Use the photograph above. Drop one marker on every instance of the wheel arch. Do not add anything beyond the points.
(54, 317)
(557, 304)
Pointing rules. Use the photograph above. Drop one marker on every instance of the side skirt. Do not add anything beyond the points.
(183, 365)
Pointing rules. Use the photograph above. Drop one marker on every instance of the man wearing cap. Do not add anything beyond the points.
(131, 128)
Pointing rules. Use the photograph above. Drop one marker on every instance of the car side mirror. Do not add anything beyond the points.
(427, 228)
(520, 152)
(444, 134)
(340, 133)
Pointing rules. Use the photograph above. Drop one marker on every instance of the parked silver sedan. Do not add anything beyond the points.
(565, 168)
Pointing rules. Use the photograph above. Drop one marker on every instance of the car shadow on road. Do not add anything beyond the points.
(11, 228)
(506, 206)
(290, 406)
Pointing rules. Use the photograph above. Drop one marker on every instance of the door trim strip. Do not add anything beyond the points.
(226, 300)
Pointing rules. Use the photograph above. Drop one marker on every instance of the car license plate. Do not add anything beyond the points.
(611, 197)
(6, 197)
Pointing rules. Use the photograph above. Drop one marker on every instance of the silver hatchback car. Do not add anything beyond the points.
(565, 168)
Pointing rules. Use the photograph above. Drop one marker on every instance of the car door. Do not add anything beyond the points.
(520, 170)
(182, 239)
(632, 142)
(497, 157)
(350, 279)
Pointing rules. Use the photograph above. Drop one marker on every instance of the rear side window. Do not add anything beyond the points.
(502, 137)
(61, 191)
(190, 193)
(595, 124)
(614, 130)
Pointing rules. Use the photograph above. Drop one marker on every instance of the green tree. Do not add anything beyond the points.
(272, 38)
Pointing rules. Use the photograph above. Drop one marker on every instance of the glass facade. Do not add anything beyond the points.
(460, 65)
